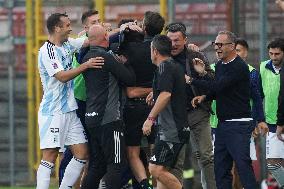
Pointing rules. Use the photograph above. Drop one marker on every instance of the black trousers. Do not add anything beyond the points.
(107, 155)
(232, 143)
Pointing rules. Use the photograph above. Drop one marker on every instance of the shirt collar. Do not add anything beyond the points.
(97, 47)
(167, 60)
(181, 54)
(230, 61)
(277, 71)
(269, 65)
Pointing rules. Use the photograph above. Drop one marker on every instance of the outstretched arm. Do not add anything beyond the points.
(65, 76)
(134, 92)
(123, 72)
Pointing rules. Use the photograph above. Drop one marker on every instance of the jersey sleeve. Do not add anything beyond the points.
(76, 44)
(124, 73)
(166, 78)
(49, 60)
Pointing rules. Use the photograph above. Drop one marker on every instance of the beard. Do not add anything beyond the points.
(277, 63)
(65, 36)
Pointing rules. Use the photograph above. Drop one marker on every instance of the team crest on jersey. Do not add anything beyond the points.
(55, 66)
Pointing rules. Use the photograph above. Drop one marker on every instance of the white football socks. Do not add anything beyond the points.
(43, 174)
(72, 173)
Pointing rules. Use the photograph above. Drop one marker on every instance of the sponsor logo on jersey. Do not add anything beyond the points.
(153, 158)
(186, 129)
(91, 114)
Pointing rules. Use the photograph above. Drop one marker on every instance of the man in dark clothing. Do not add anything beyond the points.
(231, 89)
(170, 113)
(136, 109)
(198, 119)
(103, 117)
(280, 112)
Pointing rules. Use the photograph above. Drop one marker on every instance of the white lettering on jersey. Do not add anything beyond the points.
(91, 114)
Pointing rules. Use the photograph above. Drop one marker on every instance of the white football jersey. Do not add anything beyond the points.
(57, 97)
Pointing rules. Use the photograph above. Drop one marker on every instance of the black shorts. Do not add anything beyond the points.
(177, 169)
(135, 114)
(166, 153)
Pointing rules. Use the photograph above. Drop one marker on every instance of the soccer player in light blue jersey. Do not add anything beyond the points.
(58, 122)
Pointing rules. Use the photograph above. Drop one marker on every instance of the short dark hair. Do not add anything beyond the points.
(176, 27)
(231, 36)
(54, 20)
(124, 21)
(153, 22)
(163, 44)
(87, 14)
(276, 43)
(242, 42)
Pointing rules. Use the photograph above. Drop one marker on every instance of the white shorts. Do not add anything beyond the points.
(57, 131)
(252, 149)
(274, 147)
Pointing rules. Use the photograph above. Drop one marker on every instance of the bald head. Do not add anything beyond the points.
(98, 36)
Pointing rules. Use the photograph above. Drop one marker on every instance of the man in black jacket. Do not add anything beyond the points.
(103, 116)
(198, 119)
(231, 89)
(136, 109)
(280, 112)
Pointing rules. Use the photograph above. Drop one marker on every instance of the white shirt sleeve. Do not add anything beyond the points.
(76, 44)
(49, 60)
